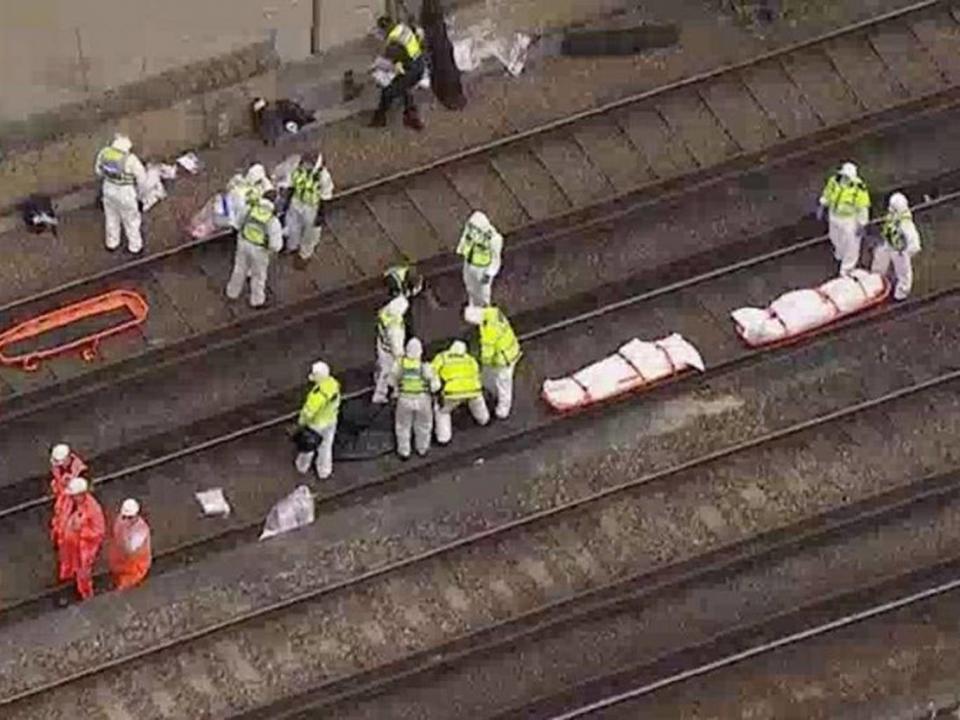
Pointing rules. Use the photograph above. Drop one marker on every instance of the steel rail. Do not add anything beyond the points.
(764, 648)
(478, 537)
(513, 138)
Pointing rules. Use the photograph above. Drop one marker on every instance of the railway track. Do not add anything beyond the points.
(394, 610)
(585, 655)
(172, 477)
(697, 307)
(601, 161)
(147, 397)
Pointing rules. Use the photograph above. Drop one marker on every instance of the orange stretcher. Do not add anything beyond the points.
(110, 302)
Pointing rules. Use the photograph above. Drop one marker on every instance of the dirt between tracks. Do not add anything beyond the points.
(674, 519)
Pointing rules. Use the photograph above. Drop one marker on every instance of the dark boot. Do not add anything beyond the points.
(379, 119)
(411, 118)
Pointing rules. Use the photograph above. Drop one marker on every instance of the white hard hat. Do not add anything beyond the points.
(319, 371)
(849, 170)
(480, 220)
(77, 485)
(60, 453)
(122, 142)
(414, 349)
(130, 508)
(256, 173)
(458, 347)
(473, 314)
(259, 104)
(398, 306)
(898, 202)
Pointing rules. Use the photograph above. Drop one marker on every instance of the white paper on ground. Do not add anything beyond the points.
(213, 502)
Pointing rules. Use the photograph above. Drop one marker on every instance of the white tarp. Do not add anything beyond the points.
(634, 365)
(213, 502)
(476, 43)
(294, 511)
(800, 311)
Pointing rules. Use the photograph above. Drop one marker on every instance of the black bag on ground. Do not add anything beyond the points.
(306, 439)
(444, 74)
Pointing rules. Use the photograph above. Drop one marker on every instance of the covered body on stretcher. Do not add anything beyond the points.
(636, 365)
(800, 312)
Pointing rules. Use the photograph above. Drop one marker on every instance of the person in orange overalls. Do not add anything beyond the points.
(80, 531)
(64, 466)
(129, 555)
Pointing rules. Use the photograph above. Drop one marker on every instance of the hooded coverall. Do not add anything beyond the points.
(499, 354)
(848, 202)
(129, 553)
(901, 243)
(319, 413)
(81, 534)
(259, 236)
(391, 338)
(60, 476)
(459, 374)
(122, 174)
(481, 248)
(310, 189)
(415, 382)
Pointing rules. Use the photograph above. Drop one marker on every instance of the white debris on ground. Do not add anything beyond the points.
(634, 365)
(294, 511)
(213, 502)
(481, 41)
(800, 311)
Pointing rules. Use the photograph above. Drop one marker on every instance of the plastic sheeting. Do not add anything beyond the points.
(152, 191)
(476, 43)
(294, 511)
(635, 365)
(801, 311)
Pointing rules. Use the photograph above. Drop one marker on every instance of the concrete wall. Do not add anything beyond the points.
(54, 52)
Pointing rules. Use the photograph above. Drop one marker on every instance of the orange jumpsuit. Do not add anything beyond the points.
(60, 476)
(80, 535)
(129, 555)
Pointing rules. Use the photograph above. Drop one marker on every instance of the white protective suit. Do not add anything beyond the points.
(479, 239)
(845, 228)
(301, 230)
(414, 414)
(901, 260)
(120, 196)
(444, 408)
(253, 261)
(322, 457)
(391, 337)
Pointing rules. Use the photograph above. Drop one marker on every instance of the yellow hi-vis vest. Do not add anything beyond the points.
(385, 321)
(113, 164)
(322, 404)
(306, 187)
(256, 227)
(478, 251)
(404, 36)
(499, 346)
(412, 381)
(846, 200)
(460, 375)
(891, 229)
